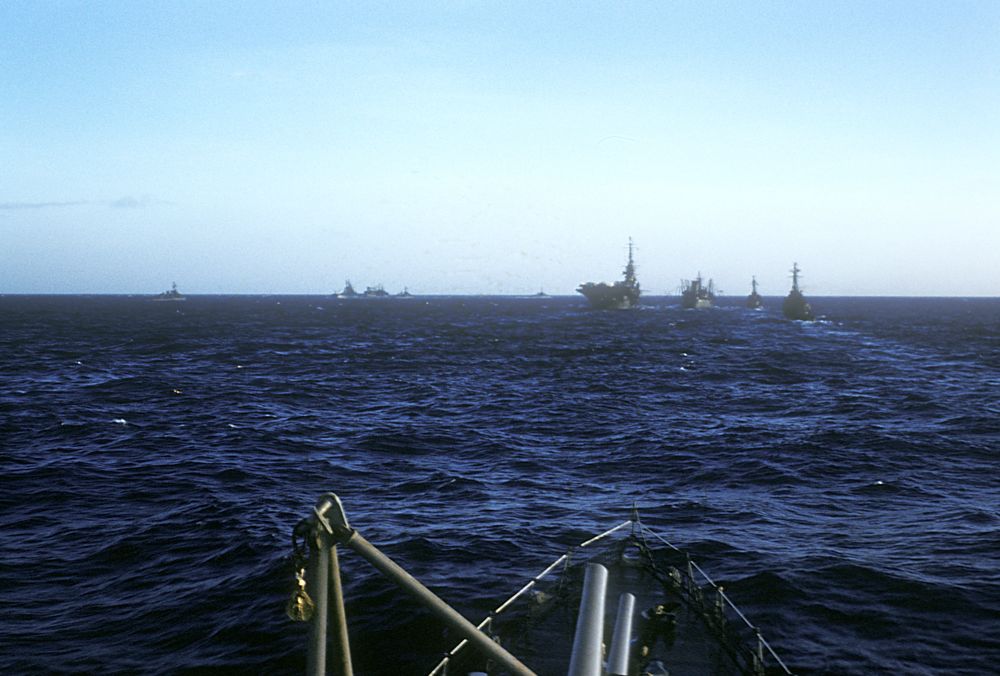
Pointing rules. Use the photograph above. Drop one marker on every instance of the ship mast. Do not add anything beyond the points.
(754, 283)
(795, 276)
(630, 268)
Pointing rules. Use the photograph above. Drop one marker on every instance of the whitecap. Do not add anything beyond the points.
(120, 421)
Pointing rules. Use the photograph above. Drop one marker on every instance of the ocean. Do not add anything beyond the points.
(838, 477)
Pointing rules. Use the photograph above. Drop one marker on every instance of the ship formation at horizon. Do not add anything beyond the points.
(695, 294)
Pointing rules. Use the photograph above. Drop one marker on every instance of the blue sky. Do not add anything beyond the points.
(467, 147)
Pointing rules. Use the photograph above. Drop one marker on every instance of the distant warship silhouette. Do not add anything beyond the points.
(618, 296)
(348, 291)
(377, 291)
(696, 294)
(795, 305)
(754, 300)
(170, 294)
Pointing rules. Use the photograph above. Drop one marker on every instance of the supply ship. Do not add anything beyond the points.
(377, 291)
(618, 296)
(795, 305)
(696, 294)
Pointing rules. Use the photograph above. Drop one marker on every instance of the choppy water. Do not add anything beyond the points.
(839, 477)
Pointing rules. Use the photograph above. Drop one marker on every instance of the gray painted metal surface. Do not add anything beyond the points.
(589, 638)
(618, 657)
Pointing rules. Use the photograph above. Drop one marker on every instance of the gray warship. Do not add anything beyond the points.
(618, 296)
(754, 300)
(695, 294)
(795, 305)
(348, 291)
(172, 294)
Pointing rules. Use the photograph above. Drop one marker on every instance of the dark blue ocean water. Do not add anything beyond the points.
(839, 477)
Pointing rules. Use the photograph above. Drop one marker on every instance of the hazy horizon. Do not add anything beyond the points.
(472, 149)
(526, 296)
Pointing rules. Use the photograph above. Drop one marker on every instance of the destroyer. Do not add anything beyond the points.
(696, 294)
(795, 305)
(173, 294)
(754, 300)
(618, 296)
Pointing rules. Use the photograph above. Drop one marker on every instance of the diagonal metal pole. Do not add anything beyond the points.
(330, 515)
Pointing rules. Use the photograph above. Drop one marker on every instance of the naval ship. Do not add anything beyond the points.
(171, 294)
(696, 294)
(795, 305)
(618, 296)
(754, 300)
(348, 291)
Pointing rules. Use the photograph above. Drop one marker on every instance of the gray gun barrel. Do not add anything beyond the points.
(589, 638)
(621, 641)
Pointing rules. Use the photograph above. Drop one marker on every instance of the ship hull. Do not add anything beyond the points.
(695, 303)
(795, 307)
(616, 296)
(754, 301)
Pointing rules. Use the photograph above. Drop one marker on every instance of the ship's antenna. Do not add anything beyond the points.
(795, 276)
(630, 267)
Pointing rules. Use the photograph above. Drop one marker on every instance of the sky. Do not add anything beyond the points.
(499, 147)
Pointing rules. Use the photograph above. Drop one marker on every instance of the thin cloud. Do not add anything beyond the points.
(13, 206)
(130, 202)
(124, 202)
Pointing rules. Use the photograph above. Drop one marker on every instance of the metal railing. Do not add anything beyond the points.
(724, 601)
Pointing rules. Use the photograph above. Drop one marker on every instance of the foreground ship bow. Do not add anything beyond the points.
(642, 606)
(618, 296)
